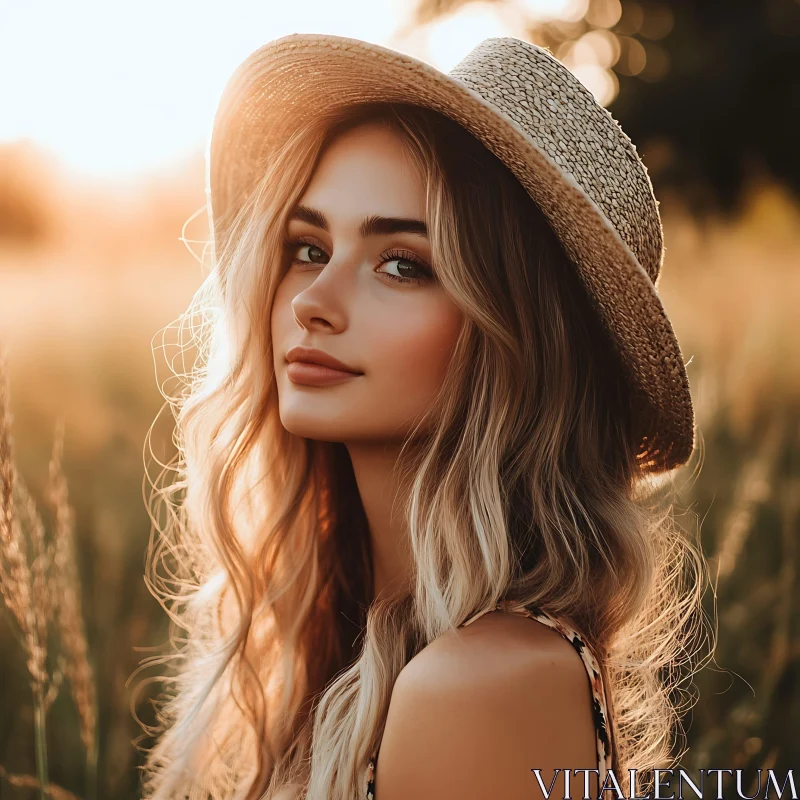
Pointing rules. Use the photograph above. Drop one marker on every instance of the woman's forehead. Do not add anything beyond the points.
(366, 171)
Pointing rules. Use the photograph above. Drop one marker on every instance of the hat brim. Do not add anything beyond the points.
(306, 74)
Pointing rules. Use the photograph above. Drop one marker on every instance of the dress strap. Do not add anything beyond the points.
(497, 607)
(595, 675)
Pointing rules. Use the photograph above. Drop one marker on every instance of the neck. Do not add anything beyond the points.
(383, 497)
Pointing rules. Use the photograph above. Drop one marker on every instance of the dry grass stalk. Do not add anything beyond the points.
(15, 577)
(39, 584)
(39, 594)
(66, 588)
(23, 585)
(30, 782)
(754, 486)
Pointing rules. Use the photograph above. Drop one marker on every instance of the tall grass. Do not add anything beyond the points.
(40, 587)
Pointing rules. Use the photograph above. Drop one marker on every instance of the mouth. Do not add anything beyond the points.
(311, 367)
(308, 374)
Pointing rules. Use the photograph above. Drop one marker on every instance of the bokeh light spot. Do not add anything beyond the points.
(604, 13)
(633, 58)
(450, 38)
(567, 10)
(657, 64)
(602, 83)
(658, 21)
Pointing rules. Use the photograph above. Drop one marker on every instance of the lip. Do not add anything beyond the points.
(312, 367)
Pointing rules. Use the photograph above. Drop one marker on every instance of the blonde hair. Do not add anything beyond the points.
(526, 487)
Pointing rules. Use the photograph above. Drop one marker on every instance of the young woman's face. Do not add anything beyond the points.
(359, 287)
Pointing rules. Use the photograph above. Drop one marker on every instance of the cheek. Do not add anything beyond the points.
(281, 318)
(412, 349)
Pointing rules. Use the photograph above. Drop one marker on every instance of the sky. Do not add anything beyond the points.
(115, 90)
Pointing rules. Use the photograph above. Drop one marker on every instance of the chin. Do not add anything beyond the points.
(352, 430)
(329, 419)
(320, 425)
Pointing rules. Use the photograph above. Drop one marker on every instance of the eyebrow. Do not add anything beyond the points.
(373, 225)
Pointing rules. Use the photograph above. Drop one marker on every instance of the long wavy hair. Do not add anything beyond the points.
(526, 488)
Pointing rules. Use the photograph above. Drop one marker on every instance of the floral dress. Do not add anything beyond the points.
(599, 706)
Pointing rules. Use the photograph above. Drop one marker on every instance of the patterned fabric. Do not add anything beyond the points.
(599, 707)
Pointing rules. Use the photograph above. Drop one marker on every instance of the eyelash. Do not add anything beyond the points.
(389, 255)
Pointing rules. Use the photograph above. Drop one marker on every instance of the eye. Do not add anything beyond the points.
(409, 267)
(306, 252)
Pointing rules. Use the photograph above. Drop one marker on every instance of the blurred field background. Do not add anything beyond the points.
(91, 268)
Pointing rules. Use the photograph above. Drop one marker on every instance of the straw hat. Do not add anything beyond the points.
(532, 113)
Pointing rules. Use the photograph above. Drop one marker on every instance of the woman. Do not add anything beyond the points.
(433, 383)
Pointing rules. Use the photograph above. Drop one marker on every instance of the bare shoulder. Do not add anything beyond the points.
(477, 710)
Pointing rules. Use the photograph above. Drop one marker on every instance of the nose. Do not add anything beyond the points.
(322, 304)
